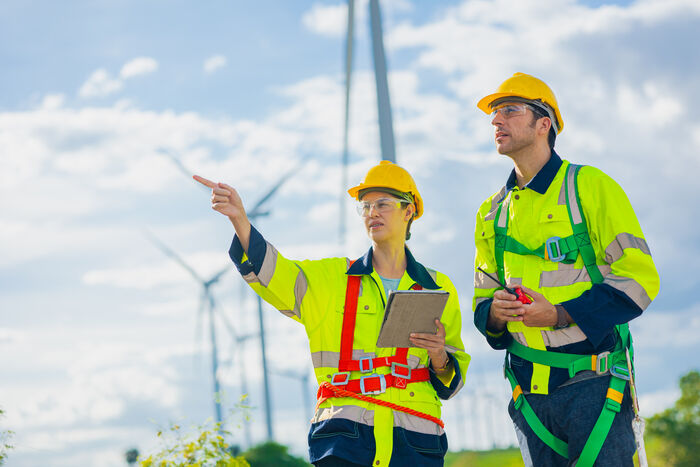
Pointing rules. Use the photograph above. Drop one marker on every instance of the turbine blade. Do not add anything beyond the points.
(171, 254)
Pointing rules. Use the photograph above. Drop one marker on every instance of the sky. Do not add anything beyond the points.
(104, 103)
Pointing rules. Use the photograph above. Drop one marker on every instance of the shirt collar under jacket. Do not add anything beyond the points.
(540, 182)
(415, 270)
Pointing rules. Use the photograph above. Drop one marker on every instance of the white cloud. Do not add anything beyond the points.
(138, 66)
(327, 20)
(100, 84)
(214, 63)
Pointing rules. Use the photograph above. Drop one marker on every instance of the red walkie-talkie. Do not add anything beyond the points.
(518, 292)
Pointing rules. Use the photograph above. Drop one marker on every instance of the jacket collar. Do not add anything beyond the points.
(417, 272)
(540, 182)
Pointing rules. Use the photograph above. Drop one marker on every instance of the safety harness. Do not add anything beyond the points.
(566, 250)
(372, 383)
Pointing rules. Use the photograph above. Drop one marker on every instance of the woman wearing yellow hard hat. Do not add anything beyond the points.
(376, 405)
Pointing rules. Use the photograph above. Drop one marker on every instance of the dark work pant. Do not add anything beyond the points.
(333, 461)
(570, 412)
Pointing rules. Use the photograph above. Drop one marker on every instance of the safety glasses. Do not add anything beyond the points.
(510, 110)
(381, 205)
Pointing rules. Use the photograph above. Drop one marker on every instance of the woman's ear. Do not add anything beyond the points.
(410, 212)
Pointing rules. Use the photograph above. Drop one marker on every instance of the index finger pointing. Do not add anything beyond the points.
(204, 181)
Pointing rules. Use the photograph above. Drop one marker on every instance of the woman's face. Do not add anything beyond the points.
(387, 218)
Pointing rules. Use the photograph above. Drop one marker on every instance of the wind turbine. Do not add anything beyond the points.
(303, 378)
(206, 301)
(386, 128)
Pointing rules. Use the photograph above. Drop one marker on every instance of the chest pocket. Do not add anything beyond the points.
(554, 222)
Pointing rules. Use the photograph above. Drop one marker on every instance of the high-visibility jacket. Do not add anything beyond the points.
(537, 213)
(313, 293)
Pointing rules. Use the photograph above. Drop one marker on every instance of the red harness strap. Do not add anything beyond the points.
(401, 374)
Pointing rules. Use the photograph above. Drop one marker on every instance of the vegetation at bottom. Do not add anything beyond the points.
(672, 439)
(5, 445)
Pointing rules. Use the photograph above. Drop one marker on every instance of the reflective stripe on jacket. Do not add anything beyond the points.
(538, 212)
(313, 293)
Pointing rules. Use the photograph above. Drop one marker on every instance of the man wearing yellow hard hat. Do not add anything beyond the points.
(375, 405)
(566, 243)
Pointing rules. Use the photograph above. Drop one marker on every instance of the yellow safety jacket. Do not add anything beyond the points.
(313, 292)
(536, 214)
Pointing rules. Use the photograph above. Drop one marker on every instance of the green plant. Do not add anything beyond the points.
(271, 454)
(5, 436)
(679, 426)
(202, 446)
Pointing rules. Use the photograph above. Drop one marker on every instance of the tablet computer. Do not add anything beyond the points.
(409, 311)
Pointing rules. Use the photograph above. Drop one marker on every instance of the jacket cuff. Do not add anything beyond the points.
(252, 262)
(497, 341)
(443, 391)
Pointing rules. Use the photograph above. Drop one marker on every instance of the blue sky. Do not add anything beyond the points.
(98, 338)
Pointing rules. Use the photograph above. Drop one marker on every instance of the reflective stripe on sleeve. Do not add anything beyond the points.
(615, 250)
(631, 288)
(267, 270)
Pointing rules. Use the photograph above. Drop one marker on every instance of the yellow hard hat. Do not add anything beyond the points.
(392, 178)
(526, 87)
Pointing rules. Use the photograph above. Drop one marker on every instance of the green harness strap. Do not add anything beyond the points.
(566, 251)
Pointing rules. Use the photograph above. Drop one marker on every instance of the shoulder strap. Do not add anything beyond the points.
(578, 223)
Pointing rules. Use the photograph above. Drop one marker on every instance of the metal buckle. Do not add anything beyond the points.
(615, 370)
(598, 365)
(549, 247)
(370, 366)
(395, 365)
(342, 383)
(382, 384)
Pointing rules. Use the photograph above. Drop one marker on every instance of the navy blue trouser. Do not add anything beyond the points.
(570, 412)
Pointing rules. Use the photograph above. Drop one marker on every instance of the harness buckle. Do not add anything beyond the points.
(405, 372)
(370, 364)
(382, 384)
(550, 245)
(620, 371)
(342, 382)
(601, 363)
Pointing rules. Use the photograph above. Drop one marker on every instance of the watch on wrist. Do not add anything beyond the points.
(562, 322)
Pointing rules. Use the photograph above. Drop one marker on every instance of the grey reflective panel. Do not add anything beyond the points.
(300, 287)
(482, 281)
(366, 416)
(568, 276)
(504, 212)
(615, 250)
(288, 313)
(519, 337)
(562, 337)
(417, 424)
(495, 201)
(330, 359)
(251, 278)
(562, 195)
(267, 270)
(481, 299)
(571, 194)
(631, 288)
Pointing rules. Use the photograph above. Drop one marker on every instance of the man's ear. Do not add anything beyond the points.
(544, 124)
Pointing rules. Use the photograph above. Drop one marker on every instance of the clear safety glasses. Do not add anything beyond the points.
(381, 205)
(510, 110)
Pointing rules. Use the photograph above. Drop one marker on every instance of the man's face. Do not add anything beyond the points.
(513, 127)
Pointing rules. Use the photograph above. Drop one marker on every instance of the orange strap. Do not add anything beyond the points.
(326, 387)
